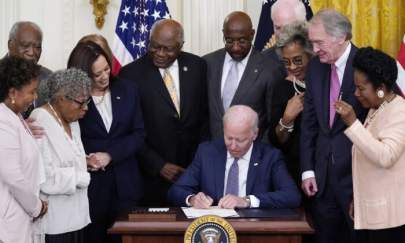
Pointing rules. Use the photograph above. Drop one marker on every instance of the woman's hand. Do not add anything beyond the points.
(346, 112)
(98, 160)
(294, 107)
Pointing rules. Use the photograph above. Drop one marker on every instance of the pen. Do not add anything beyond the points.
(340, 95)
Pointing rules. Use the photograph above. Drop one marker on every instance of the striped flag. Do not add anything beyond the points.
(134, 23)
(401, 67)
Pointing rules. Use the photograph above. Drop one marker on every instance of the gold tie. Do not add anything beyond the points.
(168, 80)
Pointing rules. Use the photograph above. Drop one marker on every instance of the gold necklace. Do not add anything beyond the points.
(55, 114)
(102, 98)
(370, 117)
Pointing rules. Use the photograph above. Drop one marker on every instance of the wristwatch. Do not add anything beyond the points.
(247, 199)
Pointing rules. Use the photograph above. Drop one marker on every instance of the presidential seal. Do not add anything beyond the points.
(210, 229)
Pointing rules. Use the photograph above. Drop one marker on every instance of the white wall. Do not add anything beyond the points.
(64, 22)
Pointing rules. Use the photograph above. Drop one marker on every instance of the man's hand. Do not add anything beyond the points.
(309, 186)
(232, 201)
(43, 211)
(171, 172)
(99, 160)
(37, 131)
(200, 200)
(351, 210)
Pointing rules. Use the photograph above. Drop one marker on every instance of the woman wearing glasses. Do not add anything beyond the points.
(112, 132)
(65, 188)
(295, 51)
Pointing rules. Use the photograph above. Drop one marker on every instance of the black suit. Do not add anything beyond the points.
(327, 151)
(169, 137)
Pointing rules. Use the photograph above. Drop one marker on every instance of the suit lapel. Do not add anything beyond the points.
(185, 85)
(219, 165)
(156, 81)
(95, 115)
(254, 165)
(218, 78)
(116, 105)
(249, 76)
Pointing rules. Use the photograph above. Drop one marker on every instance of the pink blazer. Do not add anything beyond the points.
(19, 179)
(379, 168)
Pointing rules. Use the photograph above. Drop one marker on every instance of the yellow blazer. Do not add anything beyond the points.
(379, 167)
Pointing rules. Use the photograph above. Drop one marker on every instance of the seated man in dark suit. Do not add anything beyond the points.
(235, 171)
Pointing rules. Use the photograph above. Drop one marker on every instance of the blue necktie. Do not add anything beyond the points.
(232, 184)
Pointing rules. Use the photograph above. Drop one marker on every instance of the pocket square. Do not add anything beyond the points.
(255, 164)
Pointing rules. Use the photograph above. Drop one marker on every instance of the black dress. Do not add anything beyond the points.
(283, 91)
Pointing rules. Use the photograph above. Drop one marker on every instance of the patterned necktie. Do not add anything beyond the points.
(230, 86)
(232, 183)
(333, 94)
(168, 80)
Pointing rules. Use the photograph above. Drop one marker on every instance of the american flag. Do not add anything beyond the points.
(401, 68)
(135, 20)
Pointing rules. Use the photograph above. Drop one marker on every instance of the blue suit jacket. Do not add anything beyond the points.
(321, 144)
(124, 139)
(268, 178)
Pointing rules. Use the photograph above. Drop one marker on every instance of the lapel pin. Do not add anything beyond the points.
(256, 71)
(185, 68)
(255, 164)
(118, 98)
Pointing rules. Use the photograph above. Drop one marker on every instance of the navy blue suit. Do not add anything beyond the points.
(327, 151)
(267, 177)
(119, 187)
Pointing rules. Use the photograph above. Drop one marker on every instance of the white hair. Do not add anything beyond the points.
(296, 7)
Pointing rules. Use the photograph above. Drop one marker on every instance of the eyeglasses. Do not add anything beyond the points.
(296, 60)
(241, 41)
(82, 104)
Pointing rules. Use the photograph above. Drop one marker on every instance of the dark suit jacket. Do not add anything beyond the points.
(267, 177)
(169, 137)
(124, 139)
(320, 144)
(255, 88)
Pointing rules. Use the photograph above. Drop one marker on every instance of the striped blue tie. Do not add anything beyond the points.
(232, 184)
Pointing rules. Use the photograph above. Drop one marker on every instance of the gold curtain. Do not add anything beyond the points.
(376, 23)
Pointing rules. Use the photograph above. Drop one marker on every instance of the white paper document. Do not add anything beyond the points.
(222, 212)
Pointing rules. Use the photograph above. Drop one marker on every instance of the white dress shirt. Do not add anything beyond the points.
(340, 69)
(174, 72)
(227, 65)
(103, 105)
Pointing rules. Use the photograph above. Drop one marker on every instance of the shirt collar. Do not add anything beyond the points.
(246, 156)
(341, 61)
(175, 64)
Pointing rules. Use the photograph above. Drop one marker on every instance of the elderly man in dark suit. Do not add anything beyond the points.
(236, 172)
(238, 74)
(172, 88)
(25, 41)
(325, 150)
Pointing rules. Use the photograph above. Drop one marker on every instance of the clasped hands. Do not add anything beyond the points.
(201, 200)
(98, 161)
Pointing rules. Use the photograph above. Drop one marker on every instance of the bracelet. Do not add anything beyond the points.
(284, 127)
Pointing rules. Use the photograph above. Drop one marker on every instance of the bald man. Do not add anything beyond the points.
(238, 74)
(25, 41)
(235, 171)
(283, 12)
(172, 88)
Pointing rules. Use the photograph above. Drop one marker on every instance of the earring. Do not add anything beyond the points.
(380, 94)
(12, 101)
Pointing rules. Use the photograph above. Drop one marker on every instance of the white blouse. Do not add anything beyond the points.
(103, 105)
(67, 178)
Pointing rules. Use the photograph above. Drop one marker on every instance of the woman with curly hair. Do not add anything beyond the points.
(19, 166)
(67, 94)
(378, 149)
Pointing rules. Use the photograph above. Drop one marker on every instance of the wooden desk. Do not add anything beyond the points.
(248, 230)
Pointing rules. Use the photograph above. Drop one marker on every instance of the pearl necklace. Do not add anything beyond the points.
(77, 148)
(299, 83)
